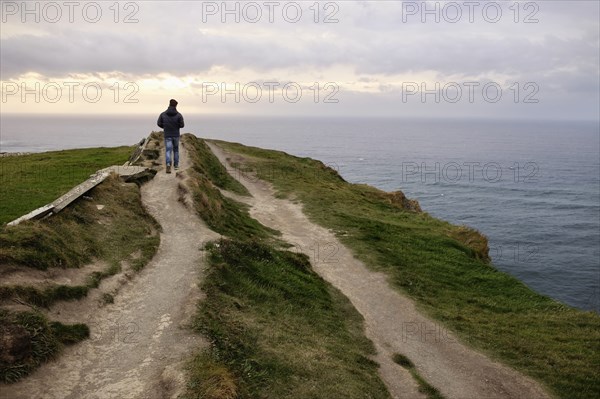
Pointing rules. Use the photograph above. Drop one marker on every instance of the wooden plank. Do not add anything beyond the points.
(138, 152)
(35, 214)
(64, 200)
(77, 191)
(125, 170)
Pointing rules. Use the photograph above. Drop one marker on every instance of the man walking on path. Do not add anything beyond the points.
(171, 121)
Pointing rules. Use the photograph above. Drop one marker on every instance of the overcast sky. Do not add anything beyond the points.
(502, 59)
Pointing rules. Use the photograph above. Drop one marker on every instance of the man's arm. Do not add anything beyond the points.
(160, 122)
(181, 124)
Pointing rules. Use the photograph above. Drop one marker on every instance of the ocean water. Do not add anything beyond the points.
(532, 187)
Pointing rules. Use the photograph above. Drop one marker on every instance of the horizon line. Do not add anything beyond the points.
(289, 116)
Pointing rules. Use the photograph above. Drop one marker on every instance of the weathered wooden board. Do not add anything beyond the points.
(64, 200)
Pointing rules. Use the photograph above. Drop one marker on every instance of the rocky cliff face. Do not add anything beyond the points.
(398, 198)
(474, 240)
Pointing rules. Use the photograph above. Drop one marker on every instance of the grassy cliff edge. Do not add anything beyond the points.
(446, 269)
(262, 300)
(276, 328)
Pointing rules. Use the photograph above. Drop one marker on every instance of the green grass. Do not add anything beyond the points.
(43, 296)
(223, 215)
(276, 328)
(445, 269)
(278, 331)
(424, 386)
(30, 181)
(46, 295)
(206, 163)
(209, 379)
(82, 232)
(122, 231)
(30, 339)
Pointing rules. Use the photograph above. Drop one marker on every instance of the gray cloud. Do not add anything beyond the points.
(560, 52)
(69, 52)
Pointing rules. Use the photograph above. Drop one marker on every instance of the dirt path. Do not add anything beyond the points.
(391, 319)
(138, 343)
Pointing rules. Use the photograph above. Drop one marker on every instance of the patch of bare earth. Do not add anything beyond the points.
(22, 275)
(139, 342)
(392, 321)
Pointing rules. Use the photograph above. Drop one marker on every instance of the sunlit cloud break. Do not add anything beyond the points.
(505, 58)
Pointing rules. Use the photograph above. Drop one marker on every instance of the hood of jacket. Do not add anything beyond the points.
(171, 111)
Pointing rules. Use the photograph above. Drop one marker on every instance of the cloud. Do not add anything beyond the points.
(370, 41)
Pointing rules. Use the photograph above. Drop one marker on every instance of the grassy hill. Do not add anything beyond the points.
(262, 300)
(446, 269)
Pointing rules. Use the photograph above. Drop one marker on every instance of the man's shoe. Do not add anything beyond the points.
(168, 168)
(176, 167)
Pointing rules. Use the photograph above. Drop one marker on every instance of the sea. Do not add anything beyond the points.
(532, 187)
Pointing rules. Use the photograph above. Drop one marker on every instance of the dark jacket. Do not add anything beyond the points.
(170, 121)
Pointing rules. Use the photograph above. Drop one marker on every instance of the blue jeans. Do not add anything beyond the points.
(172, 144)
